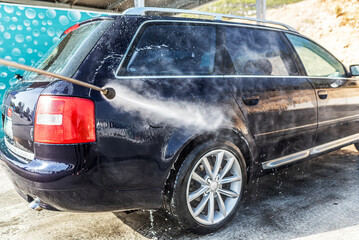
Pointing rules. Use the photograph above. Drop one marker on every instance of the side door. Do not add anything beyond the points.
(167, 63)
(280, 106)
(337, 95)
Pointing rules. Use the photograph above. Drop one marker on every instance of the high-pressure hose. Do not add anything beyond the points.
(109, 93)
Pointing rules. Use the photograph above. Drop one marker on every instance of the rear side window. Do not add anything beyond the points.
(258, 52)
(317, 61)
(173, 50)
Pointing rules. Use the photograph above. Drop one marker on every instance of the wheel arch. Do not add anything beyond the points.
(245, 145)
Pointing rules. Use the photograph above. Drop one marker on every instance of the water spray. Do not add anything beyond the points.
(108, 92)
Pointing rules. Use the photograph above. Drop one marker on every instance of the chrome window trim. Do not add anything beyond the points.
(282, 161)
(20, 152)
(230, 76)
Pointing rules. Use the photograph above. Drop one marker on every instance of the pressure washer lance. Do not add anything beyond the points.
(109, 93)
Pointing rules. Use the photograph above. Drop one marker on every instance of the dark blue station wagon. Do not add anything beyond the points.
(201, 107)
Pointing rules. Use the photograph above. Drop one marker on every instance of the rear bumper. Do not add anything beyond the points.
(59, 188)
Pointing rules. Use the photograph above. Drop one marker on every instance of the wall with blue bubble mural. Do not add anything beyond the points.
(26, 34)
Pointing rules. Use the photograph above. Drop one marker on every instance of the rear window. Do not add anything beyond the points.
(66, 57)
(173, 50)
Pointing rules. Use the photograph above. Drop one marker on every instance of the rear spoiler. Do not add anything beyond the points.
(77, 25)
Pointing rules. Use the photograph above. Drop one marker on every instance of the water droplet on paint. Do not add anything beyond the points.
(2, 86)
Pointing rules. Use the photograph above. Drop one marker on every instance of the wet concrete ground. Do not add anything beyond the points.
(317, 199)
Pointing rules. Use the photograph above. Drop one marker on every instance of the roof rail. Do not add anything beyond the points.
(217, 16)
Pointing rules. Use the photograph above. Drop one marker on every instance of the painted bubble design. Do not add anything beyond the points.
(16, 52)
(74, 16)
(28, 32)
(30, 13)
(94, 14)
(36, 32)
(50, 13)
(9, 9)
(19, 38)
(27, 22)
(51, 32)
(63, 20)
(7, 35)
(21, 60)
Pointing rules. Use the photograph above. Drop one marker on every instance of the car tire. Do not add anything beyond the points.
(208, 187)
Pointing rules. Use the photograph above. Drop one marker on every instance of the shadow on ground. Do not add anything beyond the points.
(308, 198)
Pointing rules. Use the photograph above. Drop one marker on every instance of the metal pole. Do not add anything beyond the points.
(261, 6)
(139, 3)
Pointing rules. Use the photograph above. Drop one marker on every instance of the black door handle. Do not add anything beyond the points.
(322, 94)
(251, 99)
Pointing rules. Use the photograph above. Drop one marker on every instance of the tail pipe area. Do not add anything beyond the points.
(109, 93)
(35, 204)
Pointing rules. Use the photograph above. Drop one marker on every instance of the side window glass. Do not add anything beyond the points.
(258, 52)
(317, 61)
(174, 50)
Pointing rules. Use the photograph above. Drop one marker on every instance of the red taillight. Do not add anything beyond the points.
(9, 112)
(70, 29)
(64, 120)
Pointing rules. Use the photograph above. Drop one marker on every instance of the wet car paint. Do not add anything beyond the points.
(128, 166)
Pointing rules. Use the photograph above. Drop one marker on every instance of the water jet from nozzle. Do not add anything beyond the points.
(109, 93)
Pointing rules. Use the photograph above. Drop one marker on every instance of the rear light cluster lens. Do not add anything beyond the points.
(64, 120)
